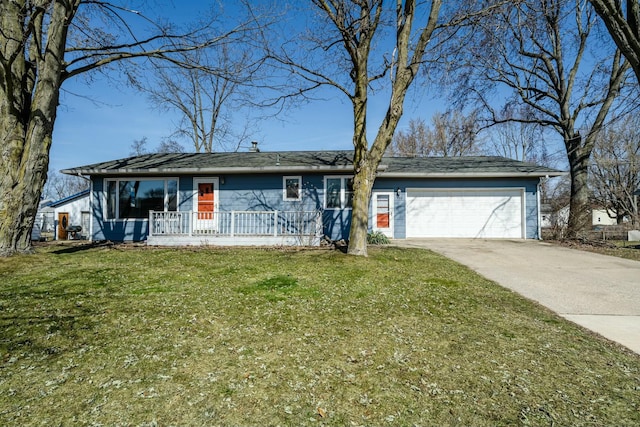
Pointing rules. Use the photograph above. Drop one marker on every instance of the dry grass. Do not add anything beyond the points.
(616, 248)
(138, 336)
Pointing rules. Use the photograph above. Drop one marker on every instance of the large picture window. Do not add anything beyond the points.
(130, 198)
(338, 192)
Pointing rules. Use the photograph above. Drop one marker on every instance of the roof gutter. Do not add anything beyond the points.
(470, 174)
(229, 170)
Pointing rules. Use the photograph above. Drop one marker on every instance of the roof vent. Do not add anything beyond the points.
(254, 147)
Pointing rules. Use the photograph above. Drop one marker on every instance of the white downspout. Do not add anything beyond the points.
(539, 208)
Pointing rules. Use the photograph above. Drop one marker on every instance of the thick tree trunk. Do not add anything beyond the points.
(362, 186)
(362, 166)
(23, 178)
(579, 210)
(28, 106)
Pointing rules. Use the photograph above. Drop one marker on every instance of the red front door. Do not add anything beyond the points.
(205, 200)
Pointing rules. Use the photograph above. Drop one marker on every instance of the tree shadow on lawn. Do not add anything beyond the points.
(70, 248)
(30, 330)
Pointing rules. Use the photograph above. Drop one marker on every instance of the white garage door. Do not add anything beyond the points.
(492, 213)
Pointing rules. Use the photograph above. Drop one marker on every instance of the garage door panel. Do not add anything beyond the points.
(465, 213)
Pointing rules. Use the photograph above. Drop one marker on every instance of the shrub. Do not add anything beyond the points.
(377, 238)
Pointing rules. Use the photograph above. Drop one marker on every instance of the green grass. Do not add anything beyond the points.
(137, 336)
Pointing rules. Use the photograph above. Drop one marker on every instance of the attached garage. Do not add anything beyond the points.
(470, 213)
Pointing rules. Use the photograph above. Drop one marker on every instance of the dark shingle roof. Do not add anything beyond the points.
(463, 166)
(309, 161)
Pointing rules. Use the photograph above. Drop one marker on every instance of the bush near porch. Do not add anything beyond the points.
(130, 335)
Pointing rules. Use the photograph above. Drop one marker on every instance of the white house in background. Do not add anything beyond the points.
(560, 218)
(71, 211)
(550, 218)
(601, 217)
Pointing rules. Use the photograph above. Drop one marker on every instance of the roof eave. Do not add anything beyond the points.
(536, 174)
(195, 171)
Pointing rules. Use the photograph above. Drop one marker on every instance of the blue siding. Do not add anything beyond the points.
(530, 186)
(115, 230)
(336, 223)
(265, 192)
(185, 194)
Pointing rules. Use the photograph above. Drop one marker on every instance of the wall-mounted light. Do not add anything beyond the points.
(399, 191)
(222, 180)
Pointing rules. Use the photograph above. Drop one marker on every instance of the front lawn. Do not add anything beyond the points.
(119, 335)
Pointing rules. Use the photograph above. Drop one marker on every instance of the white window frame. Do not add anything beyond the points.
(216, 186)
(284, 188)
(105, 195)
(388, 231)
(343, 191)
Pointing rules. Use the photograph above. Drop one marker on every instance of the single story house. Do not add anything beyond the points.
(296, 197)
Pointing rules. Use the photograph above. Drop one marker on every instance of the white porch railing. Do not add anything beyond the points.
(304, 225)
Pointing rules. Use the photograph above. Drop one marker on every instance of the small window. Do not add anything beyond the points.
(292, 185)
(338, 192)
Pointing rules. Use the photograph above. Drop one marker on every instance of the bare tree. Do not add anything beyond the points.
(355, 47)
(622, 19)
(207, 102)
(412, 142)
(168, 145)
(452, 134)
(539, 50)
(517, 139)
(43, 44)
(140, 147)
(615, 168)
(59, 186)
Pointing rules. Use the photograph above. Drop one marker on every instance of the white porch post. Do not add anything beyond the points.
(275, 223)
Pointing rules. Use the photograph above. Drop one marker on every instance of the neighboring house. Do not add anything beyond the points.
(296, 197)
(603, 217)
(560, 217)
(554, 218)
(72, 211)
(43, 224)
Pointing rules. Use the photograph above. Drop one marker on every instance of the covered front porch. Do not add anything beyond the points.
(235, 228)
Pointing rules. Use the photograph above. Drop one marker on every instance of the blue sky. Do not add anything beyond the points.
(90, 132)
(99, 121)
(102, 124)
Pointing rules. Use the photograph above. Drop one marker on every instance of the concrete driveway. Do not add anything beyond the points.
(598, 292)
